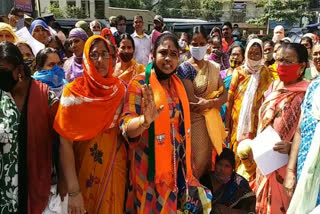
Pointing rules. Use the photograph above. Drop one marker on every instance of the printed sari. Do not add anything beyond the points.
(281, 110)
(132, 71)
(87, 115)
(208, 132)
(26, 150)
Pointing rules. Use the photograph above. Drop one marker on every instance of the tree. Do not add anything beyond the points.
(56, 11)
(290, 11)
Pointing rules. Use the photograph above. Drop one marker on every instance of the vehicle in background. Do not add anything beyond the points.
(295, 34)
(188, 27)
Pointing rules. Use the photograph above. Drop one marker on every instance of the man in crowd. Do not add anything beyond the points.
(121, 28)
(227, 39)
(16, 18)
(142, 42)
(113, 24)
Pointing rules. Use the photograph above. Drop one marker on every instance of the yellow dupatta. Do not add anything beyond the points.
(209, 76)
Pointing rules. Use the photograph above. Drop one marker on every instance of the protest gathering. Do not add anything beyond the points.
(101, 121)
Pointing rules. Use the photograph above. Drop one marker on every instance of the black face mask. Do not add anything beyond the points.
(126, 57)
(160, 75)
(7, 82)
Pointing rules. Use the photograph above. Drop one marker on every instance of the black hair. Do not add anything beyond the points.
(228, 24)
(42, 57)
(137, 16)
(128, 37)
(164, 37)
(66, 47)
(269, 42)
(55, 39)
(235, 25)
(11, 53)
(237, 45)
(120, 18)
(199, 29)
(56, 25)
(300, 50)
(227, 154)
(308, 39)
(15, 11)
(216, 29)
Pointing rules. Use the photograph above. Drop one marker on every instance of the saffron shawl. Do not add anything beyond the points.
(89, 104)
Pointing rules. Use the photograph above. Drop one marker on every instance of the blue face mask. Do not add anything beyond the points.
(53, 78)
(61, 54)
(20, 24)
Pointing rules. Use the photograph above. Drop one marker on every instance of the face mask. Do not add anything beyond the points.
(234, 63)
(253, 65)
(182, 44)
(96, 32)
(160, 75)
(222, 180)
(198, 52)
(60, 54)
(268, 57)
(122, 29)
(20, 24)
(288, 73)
(126, 57)
(7, 82)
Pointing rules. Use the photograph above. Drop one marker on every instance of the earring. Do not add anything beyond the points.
(20, 77)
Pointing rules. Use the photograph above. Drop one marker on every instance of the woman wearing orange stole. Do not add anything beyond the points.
(156, 123)
(92, 156)
(127, 68)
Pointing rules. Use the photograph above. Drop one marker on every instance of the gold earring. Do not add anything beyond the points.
(20, 77)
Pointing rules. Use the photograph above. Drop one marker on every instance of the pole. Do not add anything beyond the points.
(39, 8)
(268, 27)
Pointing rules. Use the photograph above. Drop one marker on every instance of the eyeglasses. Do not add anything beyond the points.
(104, 55)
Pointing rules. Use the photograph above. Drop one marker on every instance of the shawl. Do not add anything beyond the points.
(6, 27)
(107, 32)
(36, 23)
(90, 104)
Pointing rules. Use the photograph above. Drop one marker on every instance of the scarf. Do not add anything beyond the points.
(78, 33)
(76, 68)
(244, 125)
(107, 32)
(304, 199)
(160, 156)
(90, 104)
(6, 27)
(54, 78)
(36, 23)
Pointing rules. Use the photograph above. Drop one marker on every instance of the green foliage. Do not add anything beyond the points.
(289, 11)
(135, 4)
(56, 11)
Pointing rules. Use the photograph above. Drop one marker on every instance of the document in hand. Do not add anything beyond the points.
(262, 148)
(24, 35)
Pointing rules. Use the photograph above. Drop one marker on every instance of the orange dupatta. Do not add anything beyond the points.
(90, 104)
(163, 147)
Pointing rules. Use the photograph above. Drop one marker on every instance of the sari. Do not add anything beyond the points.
(26, 150)
(6, 27)
(132, 71)
(208, 132)
(306, 193)
(238, 87)
(87, 115)
(156, 178)
(281, 110)
(231, 194)
(308, 126)
(226, 80)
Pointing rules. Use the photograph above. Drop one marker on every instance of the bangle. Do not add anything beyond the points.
(73, 194)
(142, 123)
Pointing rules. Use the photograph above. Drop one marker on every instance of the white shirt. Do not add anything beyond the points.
(142, 48)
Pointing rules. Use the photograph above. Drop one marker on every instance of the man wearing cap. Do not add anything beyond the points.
(158, 23)
(142, 42)
(16, 18)
(84, 26)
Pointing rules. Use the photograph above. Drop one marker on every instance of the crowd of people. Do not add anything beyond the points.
(101, 121)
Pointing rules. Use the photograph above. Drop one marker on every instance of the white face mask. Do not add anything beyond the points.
(182, 44)
(96, 32)
(198, 52)
(253, 64)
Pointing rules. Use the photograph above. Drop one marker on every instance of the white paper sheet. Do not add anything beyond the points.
(262, 148)
(24, 35)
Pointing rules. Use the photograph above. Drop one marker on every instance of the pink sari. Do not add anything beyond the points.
(281, 109)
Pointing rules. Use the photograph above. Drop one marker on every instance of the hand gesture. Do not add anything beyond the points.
(282, 147)
(76, 205)
(150, 110)
(289, 182)
(200, 106)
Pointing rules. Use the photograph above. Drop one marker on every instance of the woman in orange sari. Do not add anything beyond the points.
(92, 155)
(127, 68)
(281, 109)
